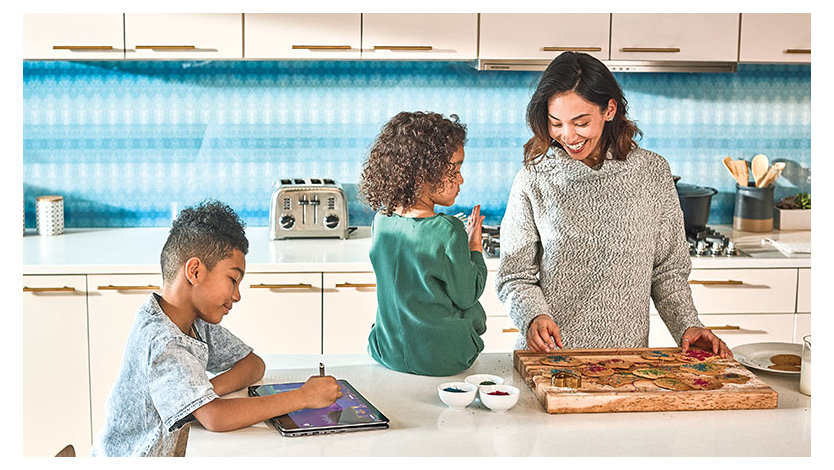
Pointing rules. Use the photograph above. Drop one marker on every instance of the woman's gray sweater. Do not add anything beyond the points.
(589, 247)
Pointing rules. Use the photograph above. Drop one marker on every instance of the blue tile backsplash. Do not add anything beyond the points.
(130, 143)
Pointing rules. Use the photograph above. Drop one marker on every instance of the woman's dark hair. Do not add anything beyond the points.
(411, 151)
(209, 231)
(590, 79)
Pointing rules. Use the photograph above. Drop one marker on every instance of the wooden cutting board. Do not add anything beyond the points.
(644, 395)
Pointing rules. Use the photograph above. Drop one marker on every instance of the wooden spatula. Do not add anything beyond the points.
(772, 173)
(728, 164)
(740, 172)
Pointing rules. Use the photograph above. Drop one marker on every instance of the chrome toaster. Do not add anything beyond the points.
(307, 208)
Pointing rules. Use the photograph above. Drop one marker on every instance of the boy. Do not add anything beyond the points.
(176, 339)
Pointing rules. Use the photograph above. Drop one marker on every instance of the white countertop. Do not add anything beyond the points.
(136, 251)
(421, 425)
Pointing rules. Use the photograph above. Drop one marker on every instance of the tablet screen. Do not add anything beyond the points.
(350, 409)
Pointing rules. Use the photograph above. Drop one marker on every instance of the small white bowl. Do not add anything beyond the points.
(476, 380)
(499, 403)
(457, 400)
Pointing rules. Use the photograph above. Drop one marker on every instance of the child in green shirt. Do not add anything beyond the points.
(429, 267)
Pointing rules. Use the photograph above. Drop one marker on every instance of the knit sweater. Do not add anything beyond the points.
(589, 247)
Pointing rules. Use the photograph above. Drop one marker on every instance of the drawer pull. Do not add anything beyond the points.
(575, 49)
(300, 285)
(168, 48)
(651, 49)
(357, 286)
(83, 48)
(797, 51)
(112, 287)
(725, 327)
(321, 48)
(728, 282)
(403, 48)
(48, 289)
(510, 330)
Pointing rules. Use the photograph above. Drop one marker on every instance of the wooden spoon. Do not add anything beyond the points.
(759, 165)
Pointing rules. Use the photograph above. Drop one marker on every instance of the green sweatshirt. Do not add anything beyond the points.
(428, 318)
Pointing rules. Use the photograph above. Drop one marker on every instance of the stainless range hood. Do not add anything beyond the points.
(614, 65)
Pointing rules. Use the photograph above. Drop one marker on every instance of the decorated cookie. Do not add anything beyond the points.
(697, 355)
(785, 367)
(733, 378)
(559, 360)
(702, 383)
(618, 379)
(791, 359)
(671, 383)
(597, 371)
(703, 368)
(651, 373)
(616, 363)
(655, 354)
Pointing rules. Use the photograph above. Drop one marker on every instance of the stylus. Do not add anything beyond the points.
(321, 369)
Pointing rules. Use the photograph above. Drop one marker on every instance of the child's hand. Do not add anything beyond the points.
(473, 229)
(319, 392)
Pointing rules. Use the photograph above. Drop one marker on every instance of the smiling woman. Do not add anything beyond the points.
(569, 276)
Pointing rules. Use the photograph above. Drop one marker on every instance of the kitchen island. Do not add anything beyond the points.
(421, 425)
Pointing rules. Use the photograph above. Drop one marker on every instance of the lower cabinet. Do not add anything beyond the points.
(734, 330)
(56, 393)
(349, 310)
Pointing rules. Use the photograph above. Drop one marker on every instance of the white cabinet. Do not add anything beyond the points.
(775, 37)
(349, 310)
(501, 334)
(542, 36)
(184, 36)
(278, 313)
(112, 303)
(302, 35)
(675, 36)
(73, 36)
(56, 393)
(803, 291)
(420, 36)
(734, 330)
(744, 290)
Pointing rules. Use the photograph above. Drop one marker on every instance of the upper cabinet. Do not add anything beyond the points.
(302, 35)
(532, 36)
(73, 36)
(184, 36)
(420, 36)
(675, 36)
(775, 37)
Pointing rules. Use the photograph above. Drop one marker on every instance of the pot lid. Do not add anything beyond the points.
(691, 190)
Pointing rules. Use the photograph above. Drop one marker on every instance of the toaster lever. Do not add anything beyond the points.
(315, 203)
(303, 202)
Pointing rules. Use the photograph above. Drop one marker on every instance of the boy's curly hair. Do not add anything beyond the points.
(412, 150)
(209, 231)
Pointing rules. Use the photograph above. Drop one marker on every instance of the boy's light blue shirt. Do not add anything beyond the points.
(162, 381)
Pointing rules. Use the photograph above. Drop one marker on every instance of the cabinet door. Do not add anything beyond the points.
(802, 327)
(744, 290)
(424, 36)
(56, 393)
(302, 35)
(803, 291)
(775, 37)
(734, 330)
(73, 36)
(537, 36)
(501, 334)
(675, 36)
(349, 312)
(184, 36)
(278, 313)
(112, 304)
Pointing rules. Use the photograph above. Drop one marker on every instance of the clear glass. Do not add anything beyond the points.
(805, 374)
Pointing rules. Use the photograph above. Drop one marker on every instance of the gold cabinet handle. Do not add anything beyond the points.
(575, 49)
(112, 287)
(168, 48)
(321, 48)
(797, 51)
(83, 48)
(651, 49)
(510, 330)
(728, 282)
(300, 285)
(403, 48)
(725, 327)
(48, 289)
(357, 286)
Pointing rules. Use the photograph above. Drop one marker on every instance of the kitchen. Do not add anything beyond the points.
(128, 139)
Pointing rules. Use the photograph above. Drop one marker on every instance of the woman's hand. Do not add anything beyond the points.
(473, 229)
(696, 336)
(543, 334)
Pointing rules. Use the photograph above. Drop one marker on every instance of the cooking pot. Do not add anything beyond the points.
(695, 201)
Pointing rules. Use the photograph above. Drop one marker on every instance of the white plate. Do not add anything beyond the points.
(757, 355)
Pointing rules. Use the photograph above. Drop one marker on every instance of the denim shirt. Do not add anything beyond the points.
(162, 381)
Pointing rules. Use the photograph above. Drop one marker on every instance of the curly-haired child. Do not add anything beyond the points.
(429, 267)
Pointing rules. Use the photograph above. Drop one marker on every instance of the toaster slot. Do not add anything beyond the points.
(329, 181)
(286, 181)
(298, 181)
(315, 181)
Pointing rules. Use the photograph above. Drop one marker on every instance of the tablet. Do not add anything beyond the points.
(351, 412)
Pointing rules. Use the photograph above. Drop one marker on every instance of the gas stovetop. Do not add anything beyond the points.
(704, 243)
